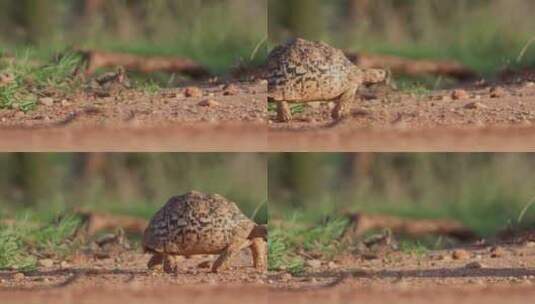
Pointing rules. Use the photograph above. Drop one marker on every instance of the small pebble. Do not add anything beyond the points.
(474, 265)
(475, 105)
(497, 252)
(314, 264)
(460, 254)
(205, 264)
(46, 101)
(209, 103)
(6, 78)
(193, 92)
(19, 276)
(332, 265)
(497, 92)
(286, 277)
(459, 94)
(47, 263)
(230, 90)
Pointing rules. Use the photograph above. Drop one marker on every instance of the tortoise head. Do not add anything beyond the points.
(373, 76)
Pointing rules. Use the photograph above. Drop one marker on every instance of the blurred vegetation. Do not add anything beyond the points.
(309, 194)
(486, 35)
(209, 31)
(46, 185)
(23, 242)
(487, 192)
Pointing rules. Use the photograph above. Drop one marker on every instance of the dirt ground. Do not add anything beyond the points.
(476, 274)
(234, 119)
(216, 117)
(477, 118)
(125, 277)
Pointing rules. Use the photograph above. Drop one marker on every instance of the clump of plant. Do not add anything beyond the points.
(289, 244)
(24, 241)
(23, 81)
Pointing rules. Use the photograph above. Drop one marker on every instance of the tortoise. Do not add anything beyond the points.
(200, 223)
(310, 71)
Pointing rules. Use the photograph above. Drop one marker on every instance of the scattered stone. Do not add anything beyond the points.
(102, 255)
(529, 84)
(497, 92)
(64, 264)
(443, 98)
(65, 103)
(314, 264)
(6, 78)
(286, 277)
(193, 92)
(475, 106)
(476, 282)
(460, 254)
(208, 280)
(20, 114)
(209, 103)
(474, 265)
(497, 252)
(179, 95)
(47, 263)
(440, 257)
(19, 276)
(332, 265)
(205, 264)
(192, 271)
(230, 90)
(459, 94)
(46, 101)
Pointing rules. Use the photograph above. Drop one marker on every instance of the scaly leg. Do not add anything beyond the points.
(259, 250)
(223, 261)
(284, 114)
(169, 264)
(343, 106)
(156, 260)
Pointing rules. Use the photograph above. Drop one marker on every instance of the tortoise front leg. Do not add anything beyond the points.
(343, 106)
(156, 260)
(169, 264)
(223, 261)
(259, 251)
(284, 114)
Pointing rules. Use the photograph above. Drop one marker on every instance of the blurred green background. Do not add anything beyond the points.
(46, 185)
(486, 35)
(487, 192)
(216, 33)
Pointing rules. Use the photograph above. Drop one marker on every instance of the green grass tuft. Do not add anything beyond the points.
(24, 241)
(285, 243)
(31, 81)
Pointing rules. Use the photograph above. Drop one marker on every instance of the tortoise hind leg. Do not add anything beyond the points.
(343, 106)
(284, 114)
(259, 251)
(223, 261)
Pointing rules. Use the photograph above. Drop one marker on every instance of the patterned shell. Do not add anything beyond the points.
(302, 70)
(195, 223)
